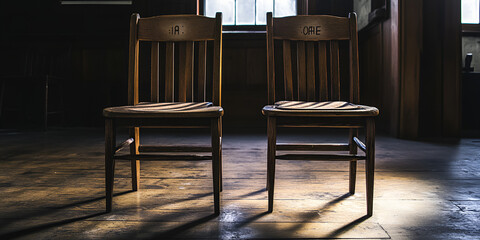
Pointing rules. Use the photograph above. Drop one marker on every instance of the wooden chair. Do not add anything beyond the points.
(308, 48)
(183, 42)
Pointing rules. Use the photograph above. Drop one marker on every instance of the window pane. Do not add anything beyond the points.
(470, 11)
(227, 7)
(263, 6)
(246, 12)
(285, 8)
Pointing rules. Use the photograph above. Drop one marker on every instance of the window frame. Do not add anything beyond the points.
(302, 9)
(470, 29)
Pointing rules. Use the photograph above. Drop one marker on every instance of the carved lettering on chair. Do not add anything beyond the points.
(175, 30)
(311, 30)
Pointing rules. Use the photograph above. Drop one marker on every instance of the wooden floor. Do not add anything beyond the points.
(52, 187)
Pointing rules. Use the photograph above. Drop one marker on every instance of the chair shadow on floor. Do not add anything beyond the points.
(37, 228)
(58, 223)
(236, 227)
(177, 231)
(347, 227)
(184, 227)
(45, 211)
(307, 217)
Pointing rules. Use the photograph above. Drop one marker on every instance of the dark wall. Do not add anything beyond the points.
(91, 51)
(416, 53)
(92, 41)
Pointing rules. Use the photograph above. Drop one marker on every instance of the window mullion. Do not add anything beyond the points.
(255, 16)
(274, 8)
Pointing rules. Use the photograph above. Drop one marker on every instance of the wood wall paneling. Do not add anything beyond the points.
(379, 69)
(411, 33)
(431, 85)
(419, 68)
(451, 69)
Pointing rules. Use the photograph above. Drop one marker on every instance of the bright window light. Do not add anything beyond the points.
(470, 11)
(226, 7)
(249, 12)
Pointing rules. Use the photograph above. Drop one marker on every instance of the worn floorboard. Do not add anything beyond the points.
(52, 187)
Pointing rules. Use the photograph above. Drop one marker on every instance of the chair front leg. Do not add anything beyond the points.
(353, 164)
(220, 156)
(370, 163)
(135, 164)
(271, 154)
(109, 162)
(216, 158)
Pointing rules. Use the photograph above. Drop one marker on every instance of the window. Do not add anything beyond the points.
(470, 11)
(249, 12)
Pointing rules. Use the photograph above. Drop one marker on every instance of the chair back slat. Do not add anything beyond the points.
(270, 60)
(287, 68)
(354, 72)
(334, 71)
(169, 71)
(313, 55)
(154, 84)
(217, 62)
(301, 71)
(310, 71)
(202, 70)
(190, 47)
(311, 28)
(322, 71)
(133, 61)
(185, 69)
(176, 28)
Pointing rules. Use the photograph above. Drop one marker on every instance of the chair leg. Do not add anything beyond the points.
(109, 162)
(271, 153)
(135, 164)
(370, 163)
(220, 156)
(353, 164)
(216, 158)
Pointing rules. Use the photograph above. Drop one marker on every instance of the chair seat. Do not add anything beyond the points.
(319, 109)
(165, 110)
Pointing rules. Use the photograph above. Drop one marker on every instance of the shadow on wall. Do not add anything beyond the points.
(362, 8)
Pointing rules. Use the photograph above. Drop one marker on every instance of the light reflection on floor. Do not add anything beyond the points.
(423, 190)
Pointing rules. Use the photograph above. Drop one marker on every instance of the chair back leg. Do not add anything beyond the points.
(271, 153)
(216, 165)
(135, 164)
(353, 164)
(370, 163)
(220, 155)
(109, 162)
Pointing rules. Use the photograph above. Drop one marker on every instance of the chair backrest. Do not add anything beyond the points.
(180, 59)
(308, 46)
